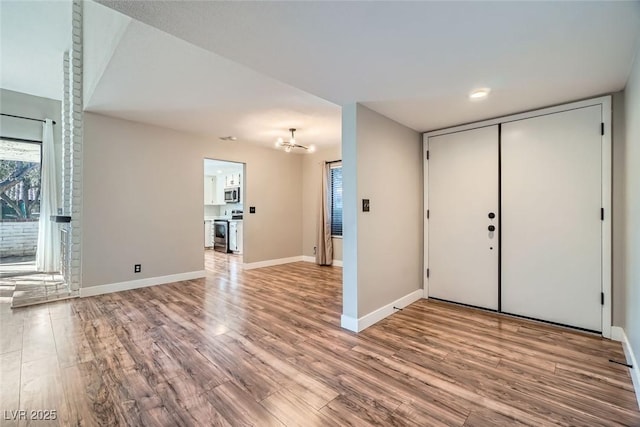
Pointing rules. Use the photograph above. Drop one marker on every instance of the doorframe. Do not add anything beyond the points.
(243, 194)
(606, 168)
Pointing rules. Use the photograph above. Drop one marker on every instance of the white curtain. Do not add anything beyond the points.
(324, 251)
(48, 250)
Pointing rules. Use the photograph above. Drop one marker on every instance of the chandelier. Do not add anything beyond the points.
(291, 143)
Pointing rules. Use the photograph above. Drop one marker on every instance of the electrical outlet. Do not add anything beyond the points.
(314, 250)
(137, 268)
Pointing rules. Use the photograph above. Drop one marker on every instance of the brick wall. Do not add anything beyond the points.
(18, 238)
(76, 119)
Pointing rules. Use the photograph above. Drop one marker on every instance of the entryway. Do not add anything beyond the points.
(519, 215)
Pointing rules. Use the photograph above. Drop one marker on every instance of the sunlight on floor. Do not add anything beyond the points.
(33, 289)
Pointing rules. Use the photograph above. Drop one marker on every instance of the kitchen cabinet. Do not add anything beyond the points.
(219, 189)
(210, 191)
(214, 189)
(233, 180)
(235, 236)
(208, 234)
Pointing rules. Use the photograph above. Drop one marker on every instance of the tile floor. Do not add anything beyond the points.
(20, 285)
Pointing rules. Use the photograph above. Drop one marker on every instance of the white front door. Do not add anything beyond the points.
(463, 193)
(551, 225)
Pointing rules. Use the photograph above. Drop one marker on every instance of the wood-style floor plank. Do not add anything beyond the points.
(10, 367)
(91, 403)
(264, 347)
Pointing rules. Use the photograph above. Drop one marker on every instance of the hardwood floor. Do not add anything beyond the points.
(264, 347)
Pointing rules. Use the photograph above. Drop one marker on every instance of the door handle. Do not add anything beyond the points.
(492, 228)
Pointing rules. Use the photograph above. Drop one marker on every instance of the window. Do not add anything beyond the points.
(20, 179)
(336, 199)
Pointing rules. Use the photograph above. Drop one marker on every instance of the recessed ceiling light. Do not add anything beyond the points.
(219, 171)
(228, 138)
(479, 93)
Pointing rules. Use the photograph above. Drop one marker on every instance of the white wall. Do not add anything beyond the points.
(21, 104)
(143, 189)
(632, 211)
(104, 28)
(312, 165)
(383, 254)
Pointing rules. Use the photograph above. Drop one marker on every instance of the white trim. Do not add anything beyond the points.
(520, 116)
(618, 334)
(606, 224)
(425, 202)
(271, 262)
(362, 323)
(605, 102)
(348, 322)
(140, 283)
(335, 263)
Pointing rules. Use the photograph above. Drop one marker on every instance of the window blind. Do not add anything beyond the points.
(336, 199)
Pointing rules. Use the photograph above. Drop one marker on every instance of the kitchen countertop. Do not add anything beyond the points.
(213, 218)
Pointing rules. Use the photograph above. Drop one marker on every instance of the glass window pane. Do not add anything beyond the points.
(20, 178)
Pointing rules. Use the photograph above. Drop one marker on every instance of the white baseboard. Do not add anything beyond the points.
(335, 263)
(362, 323)
(141, 283)
(271, 262)
(618, 334)
(350, 323)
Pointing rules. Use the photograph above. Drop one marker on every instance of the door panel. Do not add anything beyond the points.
(463, 190)
(551, 227)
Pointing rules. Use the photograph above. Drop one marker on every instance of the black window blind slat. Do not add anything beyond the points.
(336, 201)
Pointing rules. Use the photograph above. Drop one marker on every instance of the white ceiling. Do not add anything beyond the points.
(156, 78)
(33, 38)
(255, 69)
(217, 167)
(416, 61)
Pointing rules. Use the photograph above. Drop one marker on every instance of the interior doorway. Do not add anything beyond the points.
(224, 195)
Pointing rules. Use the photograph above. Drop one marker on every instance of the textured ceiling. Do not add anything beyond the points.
(33, 38)
(416, 61)
(255, 69)
(156, 78)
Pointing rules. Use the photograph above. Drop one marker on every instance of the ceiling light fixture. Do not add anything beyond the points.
(479, 93)
(291, 144)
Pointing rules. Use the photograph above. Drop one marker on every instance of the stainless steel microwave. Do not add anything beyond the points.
(232, 195)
